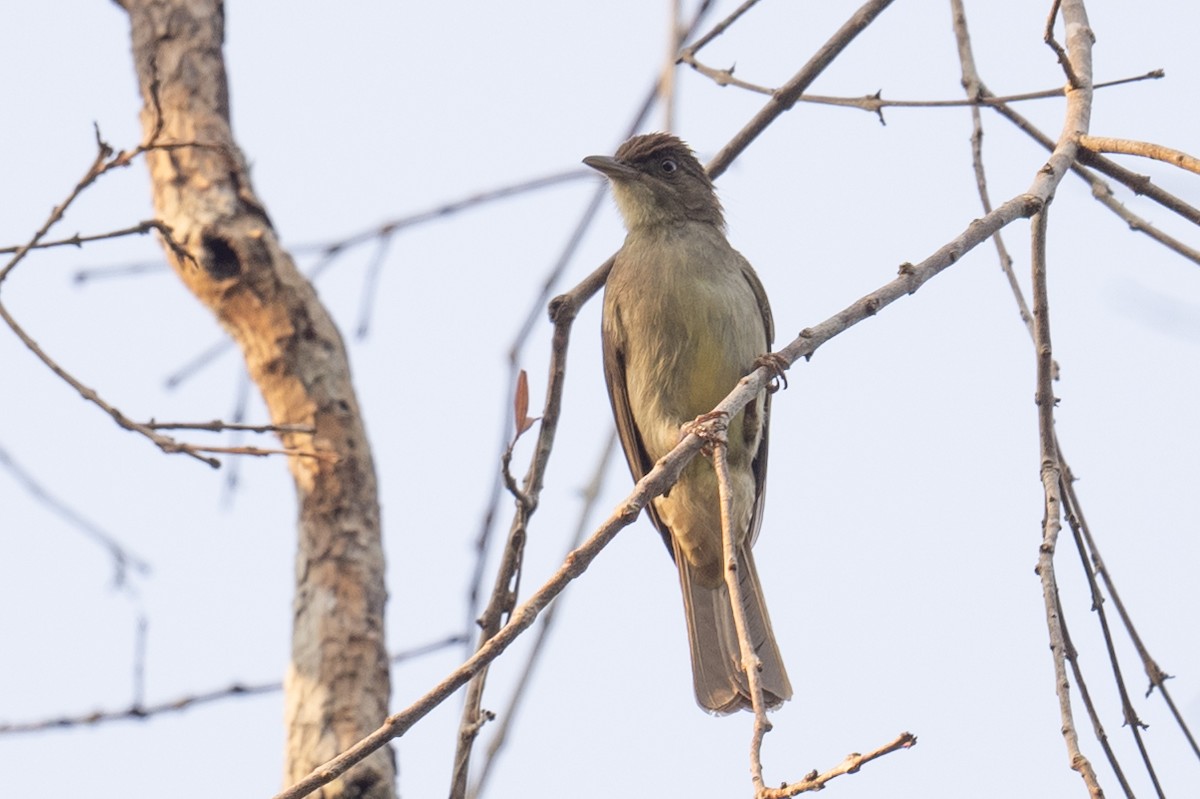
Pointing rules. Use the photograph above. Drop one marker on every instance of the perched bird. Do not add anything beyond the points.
(685, 317)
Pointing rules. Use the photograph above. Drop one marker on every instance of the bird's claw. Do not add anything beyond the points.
(710, 427)
(777, 365)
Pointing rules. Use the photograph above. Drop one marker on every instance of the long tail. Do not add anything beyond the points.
(721, 685)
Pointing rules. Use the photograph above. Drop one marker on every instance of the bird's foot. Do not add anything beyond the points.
(709, 426)
(777, 365)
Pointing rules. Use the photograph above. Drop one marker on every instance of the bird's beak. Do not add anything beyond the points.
(611, 167)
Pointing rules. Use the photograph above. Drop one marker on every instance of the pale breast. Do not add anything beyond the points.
(698, 326)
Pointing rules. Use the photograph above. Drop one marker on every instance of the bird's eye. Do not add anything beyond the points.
(668, 166)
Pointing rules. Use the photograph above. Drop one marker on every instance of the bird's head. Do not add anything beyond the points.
(657, 180)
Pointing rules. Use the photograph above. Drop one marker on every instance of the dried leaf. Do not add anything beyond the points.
(521, 404)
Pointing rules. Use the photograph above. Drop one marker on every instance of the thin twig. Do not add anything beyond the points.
(78, 240)
(715, 431)
(1072, 517)
(716, 31)
(140, 712)
(370, 286)
(875, 103)
(123, 559)
(853, 762)
(216, 425)
(1072, 656)
(100, 164)
(1105, 144)
(666, 83)
(164, 443)
(241, 401)
(1139, 184)
(104, 162)
(1052, 519)
(590, 494)
(974, 87)
(329, 249)
(1156, 676)
(1104, 194)
(789, 94)
(1064, 59)
(261, 452)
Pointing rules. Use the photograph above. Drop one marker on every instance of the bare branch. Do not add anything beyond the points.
(1052, 519)
(141, 712)
(1155, 674)
(853, 762)
(716, 31)
(975, 89)
(590, 494)
(164, 443)
(141, 228)
(715, 430)
(216, 425)
(1131, 719)
(789, 94)
(1104, 144)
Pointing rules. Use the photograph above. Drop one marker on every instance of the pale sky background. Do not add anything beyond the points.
(904, 510)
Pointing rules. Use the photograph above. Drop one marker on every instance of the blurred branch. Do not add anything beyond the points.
(138, 711)
(875, 103)
(241, 402)
(974, 87)
(329, 252)
(141, 712)
(217, 425)
(105, 161)
(123, 559)
(140, 229)
(441, 211)
(507, 716)
(677, 33)
(716, 31)
(328, 249)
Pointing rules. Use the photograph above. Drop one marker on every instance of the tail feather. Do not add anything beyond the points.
(721, 685)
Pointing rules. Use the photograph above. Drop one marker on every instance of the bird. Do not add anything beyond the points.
(685, 317)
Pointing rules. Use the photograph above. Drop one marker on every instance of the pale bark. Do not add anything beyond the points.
(337, 686)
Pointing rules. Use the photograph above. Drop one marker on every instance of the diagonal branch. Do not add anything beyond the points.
(789, 94)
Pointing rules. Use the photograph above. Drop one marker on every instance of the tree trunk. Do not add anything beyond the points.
(226, 252)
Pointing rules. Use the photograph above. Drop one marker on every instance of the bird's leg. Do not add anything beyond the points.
(777, 365)
(709, 426)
